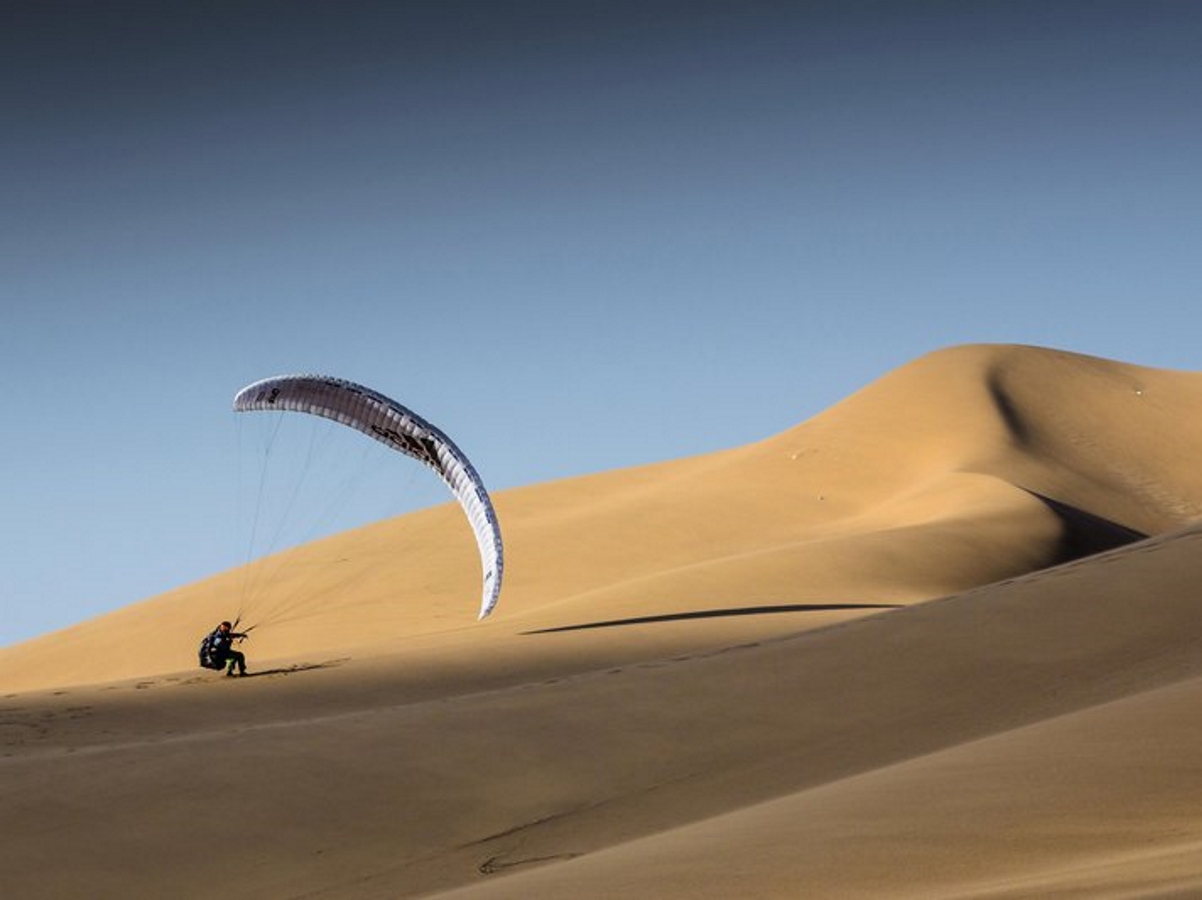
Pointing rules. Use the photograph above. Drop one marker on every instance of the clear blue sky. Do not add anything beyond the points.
(579, 236)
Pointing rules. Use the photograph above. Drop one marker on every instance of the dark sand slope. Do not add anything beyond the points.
(398, 798)
(692, 687)
(1031, 739)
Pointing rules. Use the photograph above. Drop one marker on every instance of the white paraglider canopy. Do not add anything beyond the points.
(401, 429)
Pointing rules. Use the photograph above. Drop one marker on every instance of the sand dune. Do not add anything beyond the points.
(940, 640)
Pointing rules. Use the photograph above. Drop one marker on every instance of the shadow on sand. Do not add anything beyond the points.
(299, 667)
(1086, 534)
(718, 614)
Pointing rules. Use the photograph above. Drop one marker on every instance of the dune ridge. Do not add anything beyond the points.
(939, 640)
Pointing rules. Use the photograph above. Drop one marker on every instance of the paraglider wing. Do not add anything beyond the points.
(390, 423)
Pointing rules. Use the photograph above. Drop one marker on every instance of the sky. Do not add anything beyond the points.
(578, 236)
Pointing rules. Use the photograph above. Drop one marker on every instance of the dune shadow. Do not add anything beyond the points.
(1086, 534)
(716, 614)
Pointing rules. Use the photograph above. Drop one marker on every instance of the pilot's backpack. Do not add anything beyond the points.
(207, 661)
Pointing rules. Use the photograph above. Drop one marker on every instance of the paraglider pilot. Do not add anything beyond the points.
(217, 650)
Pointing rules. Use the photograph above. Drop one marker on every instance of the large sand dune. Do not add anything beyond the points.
(940, 640)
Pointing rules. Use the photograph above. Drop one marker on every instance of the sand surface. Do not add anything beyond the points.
(942, 640)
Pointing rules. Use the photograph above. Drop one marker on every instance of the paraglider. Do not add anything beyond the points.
(401, 429)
